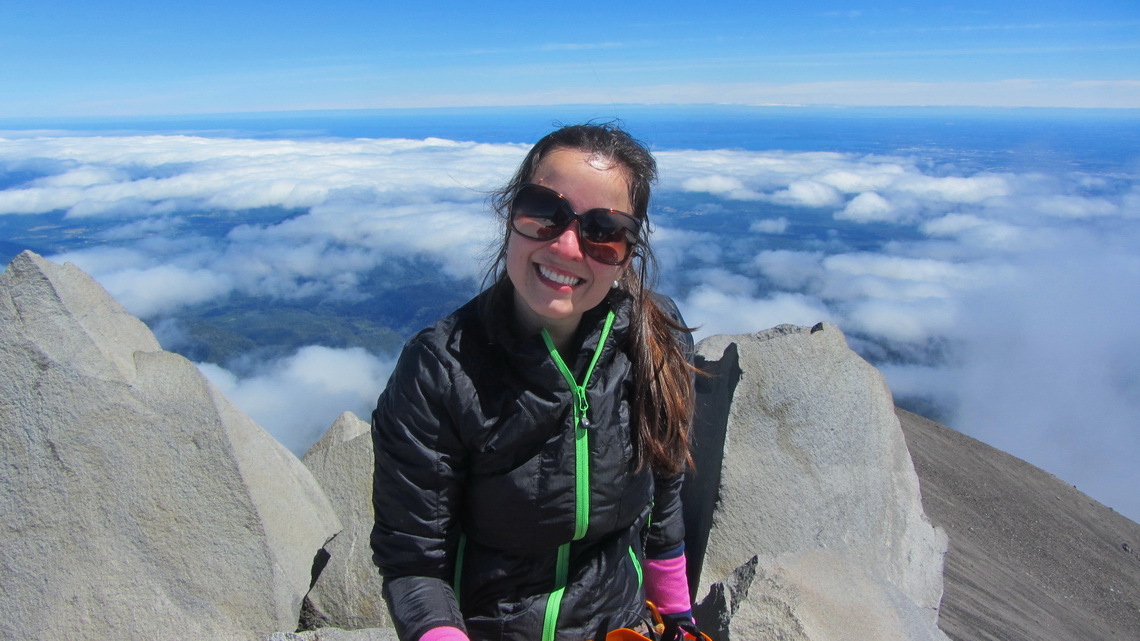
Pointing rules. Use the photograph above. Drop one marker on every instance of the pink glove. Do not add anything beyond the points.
(444, 633)
(667, 584)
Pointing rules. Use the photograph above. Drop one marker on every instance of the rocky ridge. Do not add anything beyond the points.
(137, 500)
(139, 503)
(816, 494)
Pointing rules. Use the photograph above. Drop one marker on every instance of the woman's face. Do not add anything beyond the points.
(555, 283)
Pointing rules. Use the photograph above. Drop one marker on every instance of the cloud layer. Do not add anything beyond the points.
(1006, 297)
(298, 396)
(341, 208)
(1003, 297)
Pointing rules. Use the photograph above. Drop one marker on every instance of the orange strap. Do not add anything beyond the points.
(625, 634)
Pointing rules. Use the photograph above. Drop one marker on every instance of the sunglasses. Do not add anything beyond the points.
(606, 235)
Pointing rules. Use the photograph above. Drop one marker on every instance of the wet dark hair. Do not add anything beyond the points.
(663, 399)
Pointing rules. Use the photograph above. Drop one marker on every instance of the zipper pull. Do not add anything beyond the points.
(581, 405)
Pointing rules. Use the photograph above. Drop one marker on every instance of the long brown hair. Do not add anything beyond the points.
(663, 399)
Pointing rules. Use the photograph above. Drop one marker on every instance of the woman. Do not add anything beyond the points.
(530, 447)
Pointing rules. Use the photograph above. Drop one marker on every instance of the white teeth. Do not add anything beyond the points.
(558, 278)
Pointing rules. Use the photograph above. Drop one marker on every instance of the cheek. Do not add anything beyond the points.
(517, 256)
(606, 274)
(513, 249)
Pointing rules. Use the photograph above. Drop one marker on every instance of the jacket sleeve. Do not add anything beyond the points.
(419, 470)
(666, 524)
(666, 579)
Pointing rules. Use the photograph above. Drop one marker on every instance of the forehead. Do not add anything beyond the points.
(587, 179)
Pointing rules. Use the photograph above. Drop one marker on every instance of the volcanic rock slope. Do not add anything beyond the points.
(1031, 558)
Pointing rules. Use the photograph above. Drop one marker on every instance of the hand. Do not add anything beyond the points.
(681, 629)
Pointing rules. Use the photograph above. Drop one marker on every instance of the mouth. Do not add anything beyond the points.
(559, 279)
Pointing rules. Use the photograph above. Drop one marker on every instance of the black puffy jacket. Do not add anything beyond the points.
(504, 506)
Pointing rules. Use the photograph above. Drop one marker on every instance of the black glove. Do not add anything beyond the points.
(680, 627)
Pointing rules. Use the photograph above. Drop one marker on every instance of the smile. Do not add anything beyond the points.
(558, 278)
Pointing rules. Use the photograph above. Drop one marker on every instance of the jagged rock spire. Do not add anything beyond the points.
(138, 502)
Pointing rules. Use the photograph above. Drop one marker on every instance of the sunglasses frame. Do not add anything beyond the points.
(633, 235)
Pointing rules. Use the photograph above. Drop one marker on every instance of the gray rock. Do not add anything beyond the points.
(811, 596)
(818, 487)
(138, 502)
(337, 634)
(347, 592)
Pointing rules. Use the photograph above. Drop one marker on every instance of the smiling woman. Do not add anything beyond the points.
(561, 397)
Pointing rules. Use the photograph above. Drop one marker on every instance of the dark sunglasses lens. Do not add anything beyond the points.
(607, 235)
(539, 214)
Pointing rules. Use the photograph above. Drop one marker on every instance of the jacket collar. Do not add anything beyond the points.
(496, 311)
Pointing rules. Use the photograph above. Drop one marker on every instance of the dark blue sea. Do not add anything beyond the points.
(974, 139)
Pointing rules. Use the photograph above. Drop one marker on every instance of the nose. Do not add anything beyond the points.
(567, 243)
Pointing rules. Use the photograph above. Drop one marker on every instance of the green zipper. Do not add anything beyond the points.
(637, 567)
(459, 567)
(581, 472)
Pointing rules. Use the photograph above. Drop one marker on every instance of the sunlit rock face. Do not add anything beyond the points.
(348, 592)
(137, 500)
(813, 516)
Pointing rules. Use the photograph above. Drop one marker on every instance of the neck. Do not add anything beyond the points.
(561, 330)
(560, 337)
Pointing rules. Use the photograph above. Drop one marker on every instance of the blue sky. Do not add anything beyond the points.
(71, 58)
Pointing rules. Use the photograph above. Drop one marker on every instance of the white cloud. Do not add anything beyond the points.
(745, 175)
(164, 288)
(866, 176)
(713, 184)
(673, 247)
(954, 189)
(216, 173)
(144, 227)
(83, 176)
(715, 312)
(726, 282)
(808, 193)
(898, 268)
(770, 226)
(953, 224)
(1063, 206)
(99, 260)
(868, 207)
(790, 270)
(362, 202)
(913, 321)
(1050, 366)
(975, 231)
(298, 397)
(885, 188)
